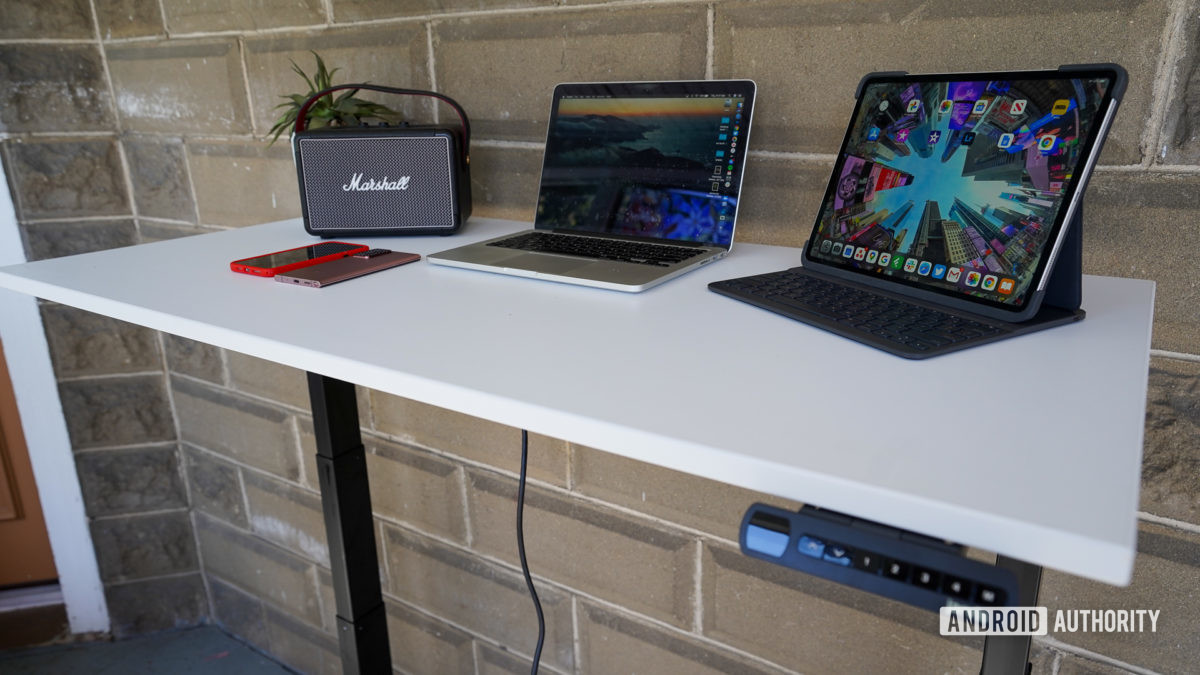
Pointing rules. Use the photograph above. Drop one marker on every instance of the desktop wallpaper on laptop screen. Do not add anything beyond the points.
(956, 185)
(667, 168)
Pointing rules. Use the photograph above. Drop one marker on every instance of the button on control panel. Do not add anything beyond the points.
(901, 565)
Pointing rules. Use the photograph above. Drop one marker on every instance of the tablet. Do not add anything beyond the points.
(960, 188)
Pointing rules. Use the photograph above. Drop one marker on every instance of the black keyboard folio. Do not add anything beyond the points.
(883, 321)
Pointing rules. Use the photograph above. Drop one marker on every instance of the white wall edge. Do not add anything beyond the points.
(45, 429)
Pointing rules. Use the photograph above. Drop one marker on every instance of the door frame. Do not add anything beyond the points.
(45, 430)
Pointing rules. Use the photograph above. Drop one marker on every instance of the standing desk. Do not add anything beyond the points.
(1029, 447)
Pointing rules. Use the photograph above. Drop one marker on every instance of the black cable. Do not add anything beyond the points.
(537, 605)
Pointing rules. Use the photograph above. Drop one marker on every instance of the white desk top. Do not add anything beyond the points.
(1029, 447)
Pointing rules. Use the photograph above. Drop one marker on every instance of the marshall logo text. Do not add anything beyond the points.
(356, 183)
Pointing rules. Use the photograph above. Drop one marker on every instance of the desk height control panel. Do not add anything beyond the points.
(901, 565)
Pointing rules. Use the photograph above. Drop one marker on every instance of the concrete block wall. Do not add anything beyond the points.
(133, 121)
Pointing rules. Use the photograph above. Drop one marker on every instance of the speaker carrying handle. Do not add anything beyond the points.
(302, 115)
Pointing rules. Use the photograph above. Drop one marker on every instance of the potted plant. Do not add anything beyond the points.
(344, 109)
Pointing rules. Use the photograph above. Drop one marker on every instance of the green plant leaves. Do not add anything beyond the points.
(346, 109)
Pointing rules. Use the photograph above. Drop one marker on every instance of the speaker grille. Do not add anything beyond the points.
(343, 177)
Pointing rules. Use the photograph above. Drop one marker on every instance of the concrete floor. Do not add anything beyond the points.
(196, 651)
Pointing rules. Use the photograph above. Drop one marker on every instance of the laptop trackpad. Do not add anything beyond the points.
(547, 264)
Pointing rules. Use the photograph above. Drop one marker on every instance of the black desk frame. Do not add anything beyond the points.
(349, 527)
(1009, 655)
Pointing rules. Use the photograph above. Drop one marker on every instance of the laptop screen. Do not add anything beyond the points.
(960, 184)
(646, 160)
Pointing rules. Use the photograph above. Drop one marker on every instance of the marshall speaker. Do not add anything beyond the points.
(383, 180)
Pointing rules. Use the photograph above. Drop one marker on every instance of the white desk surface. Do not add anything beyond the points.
(1029, 447)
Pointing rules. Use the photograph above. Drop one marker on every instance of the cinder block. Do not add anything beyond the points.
(159, 173)
(45, 19)
(780, 200)
(49, 87)
(129, 19)
(113, 411)
(83, 343)
(1170, 463)
(366, 419)
(329, 600)
(470, 437)
(268, 379)
(287, 516)
(179, 86)
(1074, 664)
(477, 595)
(195, 359)
(477, 59)
(308, 453)
(216, 486)
(55, 178)
(345, 11)
(716, 508)
(422, 644)
(619, 643)
(396, 55)
(1166, 575)
(265, 570)
(808, 57)
(808, 624)
(204, 16)
(1123, 217)
(1043, 659)
(150, 231)
(239, 184)
(625, 560)
(153, 605)
(417, 488)
(504, 182)
(45, 240)
(239, 613)
(237, 427)
(118, 482)
(493, 661)
(1181, 131)
(301, 646)
(1071, 664)
(139, 547)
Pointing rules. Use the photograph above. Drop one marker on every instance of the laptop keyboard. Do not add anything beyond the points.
(600, 248)
(896, 326)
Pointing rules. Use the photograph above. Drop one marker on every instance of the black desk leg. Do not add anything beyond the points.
(1010, 655)
(349, 527)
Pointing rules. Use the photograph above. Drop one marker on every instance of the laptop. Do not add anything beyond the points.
(951, 218)
(640, 183)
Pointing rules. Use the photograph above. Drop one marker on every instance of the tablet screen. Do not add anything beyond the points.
(960, 184)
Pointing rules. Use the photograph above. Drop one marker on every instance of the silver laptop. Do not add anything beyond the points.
(640, 183)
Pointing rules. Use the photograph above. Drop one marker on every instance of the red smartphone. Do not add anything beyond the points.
(270, 264)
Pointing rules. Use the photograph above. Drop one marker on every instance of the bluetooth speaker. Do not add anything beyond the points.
(383, 180)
